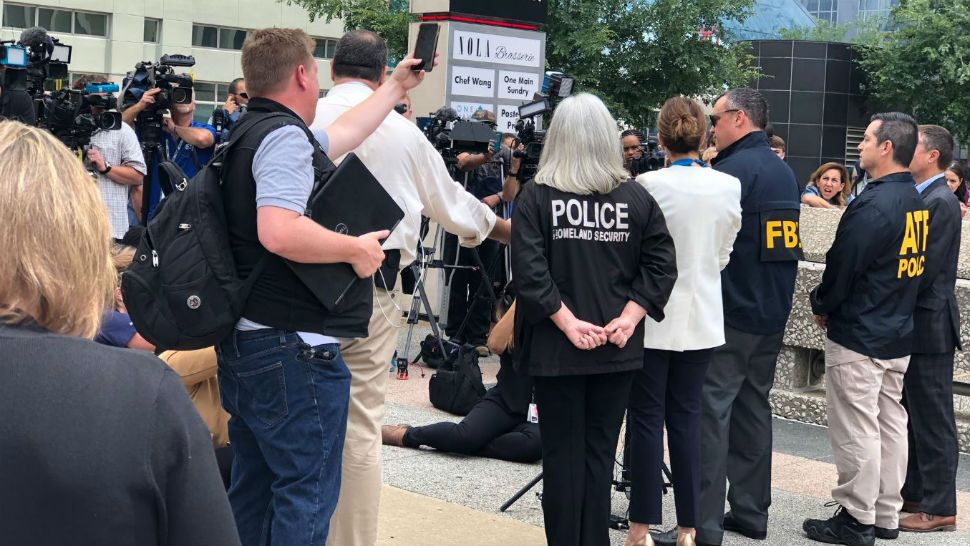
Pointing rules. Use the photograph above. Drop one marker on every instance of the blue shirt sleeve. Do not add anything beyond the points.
(116, 330)
(811, 190)
(283, 169)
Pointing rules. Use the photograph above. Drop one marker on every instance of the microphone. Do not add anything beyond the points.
(37, 38)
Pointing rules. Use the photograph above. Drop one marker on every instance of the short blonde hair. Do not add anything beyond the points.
(270, 55)
(581, 154)
(55, 239)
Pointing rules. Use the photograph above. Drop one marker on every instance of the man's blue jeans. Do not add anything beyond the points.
(288, 406)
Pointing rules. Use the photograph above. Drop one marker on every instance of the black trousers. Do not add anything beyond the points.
(933, 449)
(579, 417)
(736, 433)
(667, 389)
(488, 430)
(464, 291)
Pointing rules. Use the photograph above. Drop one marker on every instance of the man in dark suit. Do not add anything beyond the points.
(930, 488)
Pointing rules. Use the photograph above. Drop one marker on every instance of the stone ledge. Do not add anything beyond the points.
(809, 407)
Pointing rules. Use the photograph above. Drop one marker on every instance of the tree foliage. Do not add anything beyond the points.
(858, 31)
(923, 66)
(389, 18)
(632, 53)
(637, 53)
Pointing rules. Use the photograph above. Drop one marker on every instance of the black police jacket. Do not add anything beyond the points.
(936, 321)
(873, 270)
(758, 283)
(593, 254)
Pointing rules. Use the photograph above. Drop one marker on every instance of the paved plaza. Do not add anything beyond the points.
(433, 499)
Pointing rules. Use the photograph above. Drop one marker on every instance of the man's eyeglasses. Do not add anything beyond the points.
(717, 117)
(243, 95)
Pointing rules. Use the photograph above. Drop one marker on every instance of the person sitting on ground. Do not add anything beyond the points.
(497, 427)
(956, 179)
(100, 445)
(827, 187)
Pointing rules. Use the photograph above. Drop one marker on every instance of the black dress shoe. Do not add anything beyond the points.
(887, 534)
(731, 524)
(841, 528)
(669, 538)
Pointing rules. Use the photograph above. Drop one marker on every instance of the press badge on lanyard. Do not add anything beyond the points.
(533, 416)
(780, 240)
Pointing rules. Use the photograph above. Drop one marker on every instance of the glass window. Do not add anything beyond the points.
(203, 112)
(19, 16)
(230, 38)
(92, 24)
(205, 91)
(152, 30)
(204, 36)
(54, 20)
(320, 51)
(331, 48)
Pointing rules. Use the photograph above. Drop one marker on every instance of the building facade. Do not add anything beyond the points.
(842, 12)
(767, 18)
(814, 99)
(111, 36)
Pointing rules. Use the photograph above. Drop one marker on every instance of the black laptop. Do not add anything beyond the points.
(352, 202)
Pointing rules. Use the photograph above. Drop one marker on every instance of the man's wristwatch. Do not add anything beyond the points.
(107, 168)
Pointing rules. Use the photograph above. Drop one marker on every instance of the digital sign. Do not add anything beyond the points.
(529, 11)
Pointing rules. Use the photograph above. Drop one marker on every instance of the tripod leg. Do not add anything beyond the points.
(521, 492)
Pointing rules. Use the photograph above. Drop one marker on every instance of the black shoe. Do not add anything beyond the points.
(841, 528)
(731, 524)
(669, 538)
(887, 534)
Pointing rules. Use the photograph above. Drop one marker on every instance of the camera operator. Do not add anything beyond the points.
(234, 107)
(413, 172)
(632, 145)
(485, 182)
(118, 163)
(16, 105)
(288, 447)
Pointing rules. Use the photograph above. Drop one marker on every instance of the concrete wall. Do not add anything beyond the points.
(799, 389)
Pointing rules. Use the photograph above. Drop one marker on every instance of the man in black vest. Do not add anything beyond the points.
(282, 378)
(930, 488)
(865, 304)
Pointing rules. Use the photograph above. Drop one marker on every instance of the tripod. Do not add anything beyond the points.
(621, 485)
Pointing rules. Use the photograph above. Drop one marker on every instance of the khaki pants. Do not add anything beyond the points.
(355, 521)
(867, 426)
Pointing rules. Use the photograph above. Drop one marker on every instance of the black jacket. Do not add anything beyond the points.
(872, 272)
(936, 321)
(758, 283)
(578, 251)
(102, 446)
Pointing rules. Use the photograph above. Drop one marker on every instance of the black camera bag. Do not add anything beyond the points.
(457, 384)
(431, 349)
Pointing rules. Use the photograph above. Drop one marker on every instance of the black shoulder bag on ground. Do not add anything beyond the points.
(457, 384)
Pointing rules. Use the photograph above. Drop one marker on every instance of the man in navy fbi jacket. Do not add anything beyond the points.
(757, 288)
(865, 303)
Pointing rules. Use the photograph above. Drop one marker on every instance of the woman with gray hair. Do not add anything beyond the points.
(591, 257)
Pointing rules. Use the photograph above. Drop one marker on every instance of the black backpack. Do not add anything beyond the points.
(457, 384)
(182, 290)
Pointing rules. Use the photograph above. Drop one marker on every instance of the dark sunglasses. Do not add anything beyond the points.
(717, 117)
(243, 95)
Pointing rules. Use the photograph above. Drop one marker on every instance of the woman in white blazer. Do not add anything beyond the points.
(703, 212)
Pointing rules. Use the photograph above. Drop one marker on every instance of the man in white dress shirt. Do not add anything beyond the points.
(414, 174)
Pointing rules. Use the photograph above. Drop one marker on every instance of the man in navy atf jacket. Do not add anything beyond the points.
(865, 303)
(929, 492)
(757, 288)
